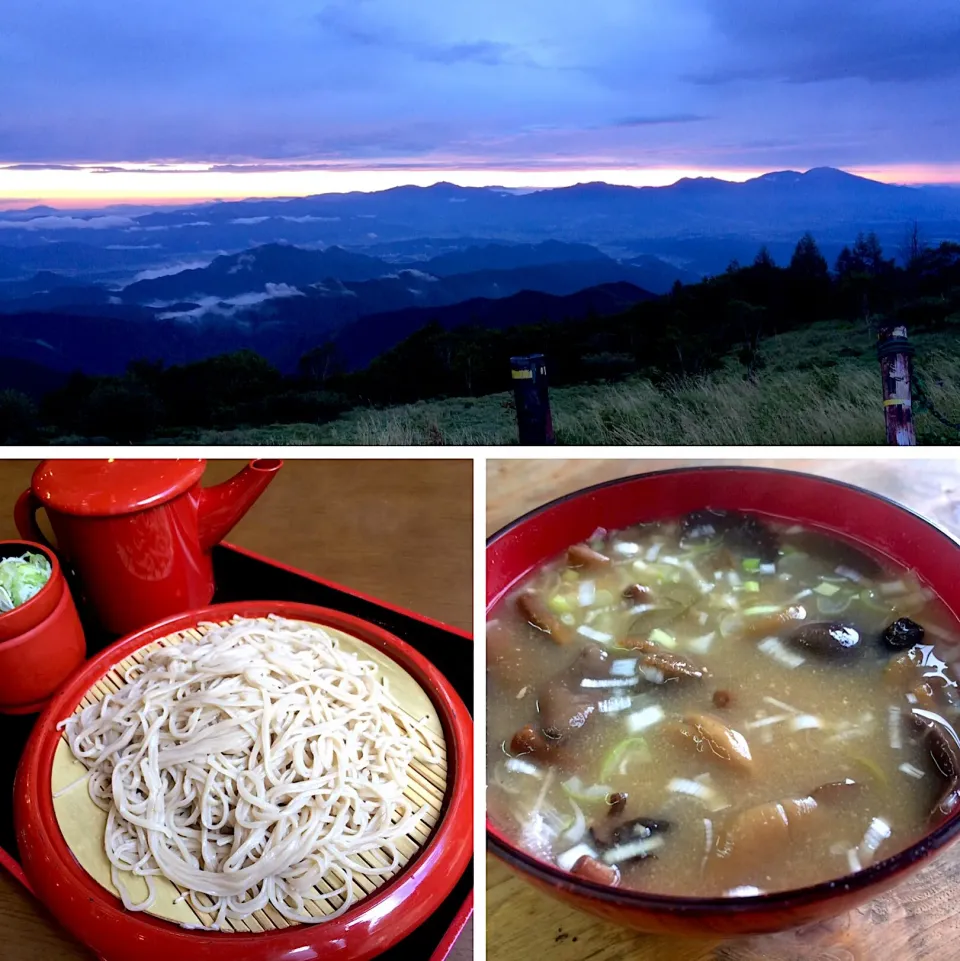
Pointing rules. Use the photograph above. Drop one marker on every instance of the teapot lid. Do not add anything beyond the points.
(114, 485)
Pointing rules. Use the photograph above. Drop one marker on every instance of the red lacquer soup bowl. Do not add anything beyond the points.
(369, 928)
(857, 516)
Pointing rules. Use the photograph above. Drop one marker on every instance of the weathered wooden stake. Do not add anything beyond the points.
(895, 351)
(534, 421)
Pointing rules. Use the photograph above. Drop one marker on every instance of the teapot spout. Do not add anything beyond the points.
(222, 505)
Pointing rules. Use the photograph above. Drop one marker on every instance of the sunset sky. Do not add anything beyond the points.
(112, 100)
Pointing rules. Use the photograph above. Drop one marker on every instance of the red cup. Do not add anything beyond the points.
(853, 514)
(41, 641)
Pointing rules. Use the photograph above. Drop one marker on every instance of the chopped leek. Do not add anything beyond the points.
(573, 787)
(827, 589)
(835, 605)
(574, 834)
(751, 564)
(665, 639)
(568, 859)
(641, 720)
(599, 636)
(762, 609)
(632, 849)
(621, 753)
(752, 586)
(870, 765)
(559, 604)
(586, 593)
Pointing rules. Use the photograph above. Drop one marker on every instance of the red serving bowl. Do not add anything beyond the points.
(376, 923)
(41, 641)
(856, 515)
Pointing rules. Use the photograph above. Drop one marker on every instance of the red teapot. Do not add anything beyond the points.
(138, 533)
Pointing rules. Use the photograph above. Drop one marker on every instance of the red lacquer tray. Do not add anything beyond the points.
(242, 575)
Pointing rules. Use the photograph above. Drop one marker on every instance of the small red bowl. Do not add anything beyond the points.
(376, 923)
(857, 516)
(41, 641)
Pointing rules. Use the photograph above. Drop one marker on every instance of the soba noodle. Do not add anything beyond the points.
(249, 765)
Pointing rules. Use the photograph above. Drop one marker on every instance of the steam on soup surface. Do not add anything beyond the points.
(720, 705)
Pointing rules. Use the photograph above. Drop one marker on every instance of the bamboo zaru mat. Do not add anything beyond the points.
(82, 823)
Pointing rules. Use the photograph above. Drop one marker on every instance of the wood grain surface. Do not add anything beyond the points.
(398, 530)
(917, 921)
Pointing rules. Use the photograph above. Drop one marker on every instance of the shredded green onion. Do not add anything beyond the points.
(751, 564)
(21, 578)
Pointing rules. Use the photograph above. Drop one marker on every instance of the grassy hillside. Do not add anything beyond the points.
(819, 385)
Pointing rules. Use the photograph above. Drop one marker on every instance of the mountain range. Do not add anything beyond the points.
(621, 220)
(92, 290)
(58, 343)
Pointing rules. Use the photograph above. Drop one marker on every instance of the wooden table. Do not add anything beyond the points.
(398, 530)
(917, 921)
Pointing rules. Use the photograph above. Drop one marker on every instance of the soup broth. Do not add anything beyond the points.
(720, 705)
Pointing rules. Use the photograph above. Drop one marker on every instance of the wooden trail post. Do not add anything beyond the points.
(894, 352)
(534, 421)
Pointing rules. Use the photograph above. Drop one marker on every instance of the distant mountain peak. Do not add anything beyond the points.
(833, 175)
(781, 177)
(688, 182)
(815, 176)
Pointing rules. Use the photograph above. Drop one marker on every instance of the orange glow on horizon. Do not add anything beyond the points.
(194, 183)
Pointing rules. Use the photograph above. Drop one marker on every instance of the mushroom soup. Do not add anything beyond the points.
(720, 705)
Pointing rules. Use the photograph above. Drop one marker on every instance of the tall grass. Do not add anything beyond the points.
(793, 400)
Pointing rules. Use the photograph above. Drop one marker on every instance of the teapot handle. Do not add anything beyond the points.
(25, 517)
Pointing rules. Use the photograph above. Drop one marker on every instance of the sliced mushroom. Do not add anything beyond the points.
(827, 639)
(834, 792)
(671, 667)
(755, 835)
(528, 740)
(902, 634)
(593, 661)
(838, 552)
(565, 705)
(736, 531)
(924, 695)
(712, 738)
(943, 743)
(563, 711)
(616, 803)
(611, 833)
(722, 698)
(902, 671)
(764, 625)
(636, 592)
(948, 802)
(534, 609)
(941, 740)
(590, 869)
(582, 555)
(636, 643)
